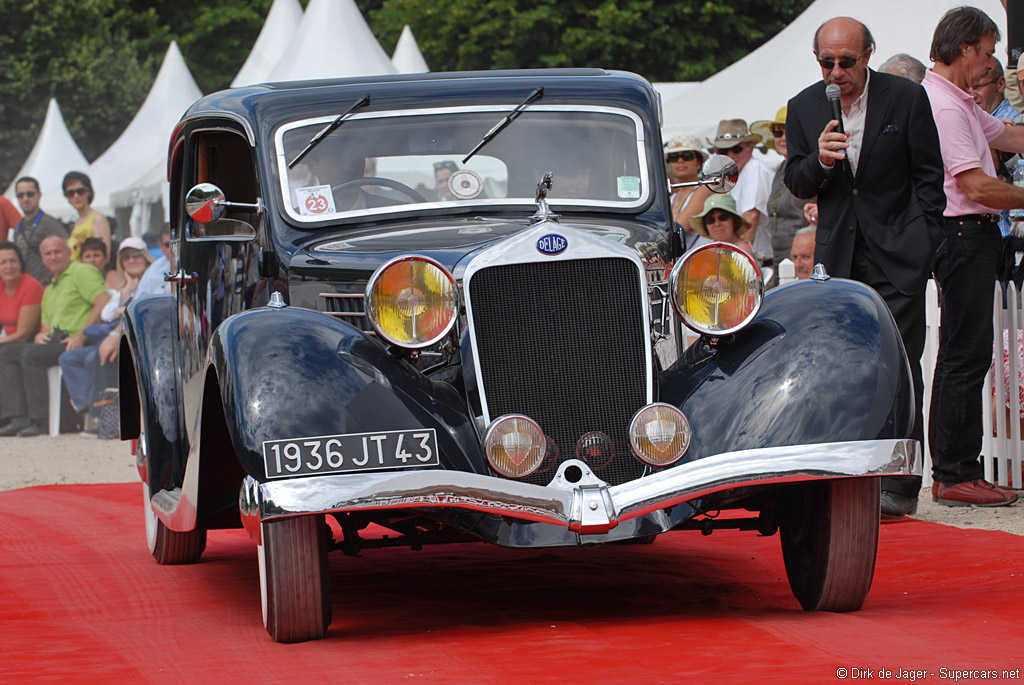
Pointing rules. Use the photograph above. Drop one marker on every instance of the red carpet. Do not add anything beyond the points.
(82, 600)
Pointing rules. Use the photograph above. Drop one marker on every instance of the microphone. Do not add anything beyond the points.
(832, 93)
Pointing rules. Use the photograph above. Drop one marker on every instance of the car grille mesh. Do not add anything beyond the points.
(562, 342)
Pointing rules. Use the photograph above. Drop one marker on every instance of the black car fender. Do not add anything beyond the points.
(821, 362)
(294, 373)
(148, 395)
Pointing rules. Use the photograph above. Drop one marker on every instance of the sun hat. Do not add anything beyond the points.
(132, 243)
(684, 142)
(732, 132)
(726, 203)
(763, 127)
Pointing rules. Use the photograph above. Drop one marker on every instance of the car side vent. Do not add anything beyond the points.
(349, 308)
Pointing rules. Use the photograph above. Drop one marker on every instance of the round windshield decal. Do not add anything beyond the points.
(552, 244)
(465, 184)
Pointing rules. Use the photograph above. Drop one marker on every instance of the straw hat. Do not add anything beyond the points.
(726, 203)
(763, 127)
(732, 132)
(684, 142)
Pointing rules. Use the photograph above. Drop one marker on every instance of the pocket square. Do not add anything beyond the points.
(890, 129)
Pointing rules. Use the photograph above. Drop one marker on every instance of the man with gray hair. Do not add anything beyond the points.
(907, 66)
(967, 259)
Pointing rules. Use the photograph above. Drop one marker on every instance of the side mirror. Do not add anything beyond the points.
(206, 203)
(719, 174)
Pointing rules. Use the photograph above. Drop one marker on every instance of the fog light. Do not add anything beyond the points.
(659, 434)
(515, 446)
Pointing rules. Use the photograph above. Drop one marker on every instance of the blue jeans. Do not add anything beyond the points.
(84, 378)
(965, 270)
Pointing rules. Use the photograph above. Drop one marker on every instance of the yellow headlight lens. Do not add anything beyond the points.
(717, 289)
(412, 301)
(659, 434)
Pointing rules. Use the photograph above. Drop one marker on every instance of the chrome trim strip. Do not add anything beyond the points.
(282, 164)
(589, 508)
(521, 249)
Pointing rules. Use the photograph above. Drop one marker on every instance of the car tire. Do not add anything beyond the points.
(829, 535)
(294, 580)
(169, 546)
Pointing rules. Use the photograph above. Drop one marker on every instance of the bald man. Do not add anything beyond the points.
(879, 189)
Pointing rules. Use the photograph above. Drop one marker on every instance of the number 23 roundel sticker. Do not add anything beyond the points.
(315, 200)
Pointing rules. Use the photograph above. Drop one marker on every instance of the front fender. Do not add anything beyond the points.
(292, 373)
(822, 362)
(146, 364)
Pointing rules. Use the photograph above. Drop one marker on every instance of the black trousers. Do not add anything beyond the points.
(23, 379)
(909, 313)
(965, 269)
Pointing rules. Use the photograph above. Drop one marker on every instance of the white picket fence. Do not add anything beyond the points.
(1002, 444)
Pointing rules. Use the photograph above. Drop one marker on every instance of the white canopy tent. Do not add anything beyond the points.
(756, 86)
(407, 58)
(54, 154)
(279, 28)
(143, 143)
(332, 41)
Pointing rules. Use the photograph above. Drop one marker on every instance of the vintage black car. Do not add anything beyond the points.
(454, 306)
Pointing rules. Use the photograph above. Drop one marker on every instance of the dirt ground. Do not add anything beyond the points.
(80, 458)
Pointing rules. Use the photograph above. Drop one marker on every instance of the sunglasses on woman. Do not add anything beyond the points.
(716, 218)
(70, 192)
(778, 131)
(686, 156)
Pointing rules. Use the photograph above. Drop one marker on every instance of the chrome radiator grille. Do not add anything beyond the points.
(563, 343)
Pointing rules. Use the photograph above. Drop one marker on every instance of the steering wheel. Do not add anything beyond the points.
(377, 181)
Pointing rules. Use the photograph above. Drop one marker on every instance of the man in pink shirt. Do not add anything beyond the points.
(965, 263)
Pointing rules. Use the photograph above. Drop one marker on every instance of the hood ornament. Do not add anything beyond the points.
(543, 212)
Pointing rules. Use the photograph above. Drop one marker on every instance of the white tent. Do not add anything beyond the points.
(333, 41)
(143, 143)
(54, 154)
(407, 58)
(280, 26)
(757, 85)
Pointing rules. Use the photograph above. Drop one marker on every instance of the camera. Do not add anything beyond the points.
(58, 334)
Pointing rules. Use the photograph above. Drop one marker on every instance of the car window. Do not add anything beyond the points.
(400, 161)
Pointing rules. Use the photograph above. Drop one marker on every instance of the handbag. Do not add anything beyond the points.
(110, 420)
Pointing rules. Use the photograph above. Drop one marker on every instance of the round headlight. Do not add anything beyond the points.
(659, 434)
(412, 301)
(515, 446)
(717, 289)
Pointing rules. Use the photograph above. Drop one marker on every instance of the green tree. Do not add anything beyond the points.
(683, 40)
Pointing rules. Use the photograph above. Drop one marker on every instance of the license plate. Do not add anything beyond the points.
(351, 452)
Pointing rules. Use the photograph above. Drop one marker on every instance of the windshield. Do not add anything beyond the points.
(391, 162)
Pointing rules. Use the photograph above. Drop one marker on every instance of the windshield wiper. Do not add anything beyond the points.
(500, 126)
(315, 140)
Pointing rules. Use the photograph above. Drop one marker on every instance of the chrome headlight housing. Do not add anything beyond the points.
(716, 289)
(412, 301)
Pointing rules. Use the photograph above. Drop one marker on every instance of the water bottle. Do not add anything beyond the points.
(1018, 180)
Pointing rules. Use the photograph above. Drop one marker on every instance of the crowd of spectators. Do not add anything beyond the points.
(61, 303)
(900, 175)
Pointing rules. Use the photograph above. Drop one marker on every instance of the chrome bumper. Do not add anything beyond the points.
(575, 498)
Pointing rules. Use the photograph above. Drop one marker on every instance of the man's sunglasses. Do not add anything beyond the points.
(735, 149)
(27, 193)
(686, 156)
(844, 62)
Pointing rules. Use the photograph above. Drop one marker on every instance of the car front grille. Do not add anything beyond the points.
(562, 342)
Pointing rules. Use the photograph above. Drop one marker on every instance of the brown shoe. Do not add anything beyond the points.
(972, 493)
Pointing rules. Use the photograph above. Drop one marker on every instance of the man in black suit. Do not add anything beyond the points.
(879, 188)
